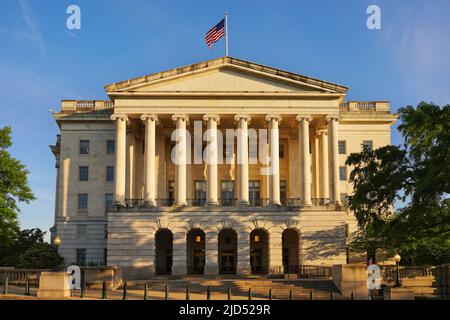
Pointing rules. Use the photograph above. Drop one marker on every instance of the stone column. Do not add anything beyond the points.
(276, 253)
(333, 122)
(211, 253)
(316, 167)
(179, 257)
(120, 158)
(130, 164)
(181, 159)
(305, 165)
(212, 157)
(150, 159)
(324, 172)
(274, 174)
(242, 158)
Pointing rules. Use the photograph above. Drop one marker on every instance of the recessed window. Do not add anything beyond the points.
(81, 257)
(200, 192)
(110, 146)
(109, 201)
(281, 151)
(343, 173)
(84, 146)
(342, 147)
(109, 173)
(227, 193)
(368, 144)
(283, 191)
(81, 232)
(83, 173)
(82, 201)
(254, 192)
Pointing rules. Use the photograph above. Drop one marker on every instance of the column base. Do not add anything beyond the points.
(212, 203)
(275, 204)
(119, 203)
(180, 204)
(150, 203)
(243, 203)
(211, 270)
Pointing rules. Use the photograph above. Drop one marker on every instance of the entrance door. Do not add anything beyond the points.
(256, 261)
(227, 263)
(227, 251)
(198, 265)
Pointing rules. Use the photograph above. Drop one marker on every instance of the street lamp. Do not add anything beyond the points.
(57, 241)
(397, 259)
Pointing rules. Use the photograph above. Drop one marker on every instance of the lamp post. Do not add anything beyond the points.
(397, 259)
(57, 241)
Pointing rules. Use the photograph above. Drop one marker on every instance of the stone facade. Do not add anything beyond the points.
(121, 200)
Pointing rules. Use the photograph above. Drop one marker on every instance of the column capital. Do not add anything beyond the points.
(183, 117)
(115, 117)
(214, 117)
(245, 117)
(331, 117)
(271, 117)
(300, 117)
(152, 117)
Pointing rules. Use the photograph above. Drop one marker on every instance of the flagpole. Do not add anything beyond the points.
(226, 34)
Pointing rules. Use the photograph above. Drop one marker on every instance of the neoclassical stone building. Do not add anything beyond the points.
(122, 200)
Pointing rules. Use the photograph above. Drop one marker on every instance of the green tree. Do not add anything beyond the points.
(29, 251)
(13, 189)
(400, 195)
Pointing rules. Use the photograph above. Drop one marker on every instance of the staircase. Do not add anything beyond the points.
(301, 289)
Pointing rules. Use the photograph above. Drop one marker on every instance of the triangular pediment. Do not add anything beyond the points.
(224, 75)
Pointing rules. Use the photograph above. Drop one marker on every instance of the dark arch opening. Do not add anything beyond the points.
(195, 242)
(259, 251)
(291, 251)
(227, 251)
(163, 252)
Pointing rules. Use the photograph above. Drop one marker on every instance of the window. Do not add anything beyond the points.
(200, 192)
(83, 173)
(227, 193)
(343, 173)
(81, 257)
(281, 151)
(82, 201)
(105, 256)
(110, 146)
(108, 201)
(343, 198)
(109, 173)
(105, 230)
(342, 147)
(368, 144)
(84, 146)
(81, 232)
(254, 192)
(171, 193)
(283, 191)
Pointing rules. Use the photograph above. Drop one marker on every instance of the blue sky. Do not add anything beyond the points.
(41, 62)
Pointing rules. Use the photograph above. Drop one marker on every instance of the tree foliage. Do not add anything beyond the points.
(401, 194)
(13, 189)
(29, 251)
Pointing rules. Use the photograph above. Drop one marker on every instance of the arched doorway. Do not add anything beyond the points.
(291, 251)
(259, 251)
(227, 248)
(195, 242)
(163, 252)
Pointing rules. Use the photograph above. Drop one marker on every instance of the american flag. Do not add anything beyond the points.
(216, 32)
